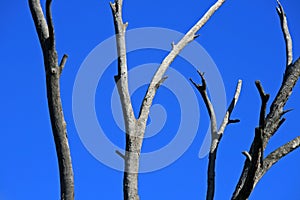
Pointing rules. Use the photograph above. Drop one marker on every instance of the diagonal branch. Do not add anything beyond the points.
(286, 34)
(277, 154)
(176, 49)
(215, 133)
(234, 100)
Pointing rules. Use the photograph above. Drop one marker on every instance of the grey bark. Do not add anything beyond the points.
(255, 167)
(135, 127)
(53, 70)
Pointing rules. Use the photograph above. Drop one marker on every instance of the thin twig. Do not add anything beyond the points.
(120, 154)
(62, 63)
(50, 24)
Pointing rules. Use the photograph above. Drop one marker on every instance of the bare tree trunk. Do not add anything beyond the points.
(53, 70)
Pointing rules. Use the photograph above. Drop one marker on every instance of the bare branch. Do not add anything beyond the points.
(177, 48)
(279, 153)
(264, 99)
(50, 24)
(226, 119)
(272, 121)
(39, 21)
(208, 104)
(248, 156)
(120, 154)
(233, 121)
(122, 76)
(62, 63)
(286, 34)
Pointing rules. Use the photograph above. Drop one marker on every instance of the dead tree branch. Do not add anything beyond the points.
(135, 127)
(216, 134)
(253, 170)
(286, 34)
(45, 32)
(176, 49)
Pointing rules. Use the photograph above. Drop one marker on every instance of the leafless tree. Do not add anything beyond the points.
(45, 30)
(256, 165)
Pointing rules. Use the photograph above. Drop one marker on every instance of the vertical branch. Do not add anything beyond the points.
(286, 34)
(45, 31)
(134, 130)
(121, 78)
(215, 133)
(50, 24)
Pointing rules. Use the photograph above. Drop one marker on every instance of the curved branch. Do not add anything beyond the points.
(286, 34)
(208, 104)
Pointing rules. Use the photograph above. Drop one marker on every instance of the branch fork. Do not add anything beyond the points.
(216, 134)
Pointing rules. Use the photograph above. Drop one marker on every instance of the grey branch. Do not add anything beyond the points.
(45, 32)
(177, 48)
(39, 21)
(215, 133)
(277, 154)
(286, 34)
(50, 24)
(62, 63)
(264, 99)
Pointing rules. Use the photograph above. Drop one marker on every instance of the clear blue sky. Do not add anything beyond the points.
(243, 38)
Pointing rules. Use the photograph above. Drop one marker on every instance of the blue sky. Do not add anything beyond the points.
(243, 38)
